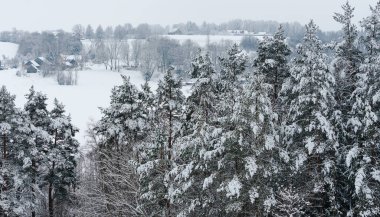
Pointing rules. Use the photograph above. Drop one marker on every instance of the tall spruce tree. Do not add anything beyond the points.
(25, 151)
(61, 159)
(346, 66)
(272, 61)
(124, 125)
(371, 37)
(36, 110)
(159, 156)
(309, 132)
(259, 145)
(363, 151)
(195, 138)
(7, 165)
(362, 155)
(348, 56)
(227, 154)
(14, 131)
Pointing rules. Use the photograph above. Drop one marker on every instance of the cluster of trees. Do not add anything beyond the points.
(154, 54)
(48, 44)
(38, 157)
(158, 53)
(284, 138)
(143, 31)
(147, 42)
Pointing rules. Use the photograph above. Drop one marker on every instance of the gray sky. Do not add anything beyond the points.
(63, 14)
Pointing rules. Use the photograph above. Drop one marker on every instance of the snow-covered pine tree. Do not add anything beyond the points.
(36, 110)
(362, 155)
(24, 151)
(309, 133)
(228, 155)
(146, 98)
(21, 151)
(159, 155)
(226, 158)
(348, 57)
(258, 141)
(122, 128)
(7, 158)
(61, 160)
(345, 65)
(363, 152)
(371, 37)
(195, 138)
(272, 61)
(147, 101)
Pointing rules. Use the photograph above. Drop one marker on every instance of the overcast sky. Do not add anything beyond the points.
(63, 14)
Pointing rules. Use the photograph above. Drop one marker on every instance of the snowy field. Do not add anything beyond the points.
(83, 100)
(8, 50)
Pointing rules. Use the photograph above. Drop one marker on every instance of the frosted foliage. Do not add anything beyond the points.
(269, 202)
(376, 175)
(310, 145)
(253, 195)
(352, 154)
(301, 158)
(269, 142)
(251, 166)
(360, 186)
(208, 181)
(233, 188)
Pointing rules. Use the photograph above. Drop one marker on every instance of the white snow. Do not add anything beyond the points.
(7, 49)
(253, 194)
(301, 158)
(352, 154)
(269, 142)
(251, 166)
(310, 145)
(233, 187)
(359, 181)
(208, 181)
(376, 175)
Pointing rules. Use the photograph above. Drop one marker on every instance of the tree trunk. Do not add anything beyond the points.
(51, 199)
(275, 91)
(4, 187)
(4, 147)
(170, 139)
(33, 183)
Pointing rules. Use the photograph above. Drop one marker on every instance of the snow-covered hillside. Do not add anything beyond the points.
(7, 49)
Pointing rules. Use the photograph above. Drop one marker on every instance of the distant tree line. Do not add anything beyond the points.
(141, 47)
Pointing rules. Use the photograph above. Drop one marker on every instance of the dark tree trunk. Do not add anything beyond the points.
(4, 187)
(34, 169)
(51, 199)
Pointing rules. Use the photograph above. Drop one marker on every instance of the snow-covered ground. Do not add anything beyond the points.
(83, 100)
(7, 49)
